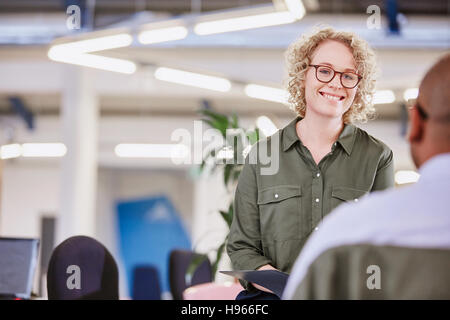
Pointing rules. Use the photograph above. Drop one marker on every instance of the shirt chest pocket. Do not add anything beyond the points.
(279, 211)
(344, 194)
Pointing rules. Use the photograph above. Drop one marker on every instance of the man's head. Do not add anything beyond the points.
(429, 132)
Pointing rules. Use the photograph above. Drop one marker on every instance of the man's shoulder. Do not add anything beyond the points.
(360, 222)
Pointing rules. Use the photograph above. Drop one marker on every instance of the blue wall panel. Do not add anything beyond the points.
(148, 230)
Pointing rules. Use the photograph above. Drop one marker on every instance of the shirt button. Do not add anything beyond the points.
(318, 174)
(356, 200)
(316, 228)
(317, 200)
(276, 195)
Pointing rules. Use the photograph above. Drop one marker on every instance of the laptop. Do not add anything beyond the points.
(18, 261)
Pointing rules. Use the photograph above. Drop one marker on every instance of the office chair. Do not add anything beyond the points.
(81, 268)
(178, 263)
(146, 283)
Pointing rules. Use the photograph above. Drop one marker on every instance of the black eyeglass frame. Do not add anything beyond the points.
(316, 66)
(421, 111)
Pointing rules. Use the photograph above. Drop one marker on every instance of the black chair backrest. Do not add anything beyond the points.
(178, 265)
(82, 268)
(146, 283)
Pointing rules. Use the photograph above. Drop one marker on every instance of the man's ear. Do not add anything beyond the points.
(415, 126)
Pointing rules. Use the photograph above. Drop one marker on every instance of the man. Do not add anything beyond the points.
(392, 244)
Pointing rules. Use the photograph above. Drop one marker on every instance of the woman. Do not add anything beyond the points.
(324, 160)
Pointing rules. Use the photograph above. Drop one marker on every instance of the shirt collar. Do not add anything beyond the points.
(346, 138)
(290, 134)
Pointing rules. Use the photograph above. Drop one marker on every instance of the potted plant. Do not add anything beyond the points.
(231, 169)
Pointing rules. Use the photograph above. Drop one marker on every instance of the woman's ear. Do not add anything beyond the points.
(415, 126)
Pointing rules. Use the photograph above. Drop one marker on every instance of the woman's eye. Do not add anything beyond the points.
(349, 76)
(324, 71)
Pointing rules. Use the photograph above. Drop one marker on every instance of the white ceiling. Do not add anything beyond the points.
(248, 56)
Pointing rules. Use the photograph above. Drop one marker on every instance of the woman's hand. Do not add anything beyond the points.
(265, 267)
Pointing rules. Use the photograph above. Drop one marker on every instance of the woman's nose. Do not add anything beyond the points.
(336, 81)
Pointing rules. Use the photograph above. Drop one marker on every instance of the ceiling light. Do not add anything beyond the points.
(94, 61)
(243, 23)
(296, 8)
(43, 150)
(9, 151)
(266, 93)
(266, 125)
(411, 93)
(95, 44)
(77, 53)
(192, 79)
(162, 35)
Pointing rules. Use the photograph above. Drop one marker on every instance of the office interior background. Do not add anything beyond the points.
(85, 136)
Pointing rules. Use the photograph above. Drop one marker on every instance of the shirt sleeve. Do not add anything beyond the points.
(384, 178)
(244, 241)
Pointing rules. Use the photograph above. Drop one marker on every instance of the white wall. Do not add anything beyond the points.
(30, 190)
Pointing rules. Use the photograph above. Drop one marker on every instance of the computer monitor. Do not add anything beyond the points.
(18, 261)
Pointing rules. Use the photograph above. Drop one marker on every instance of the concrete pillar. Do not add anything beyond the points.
(79, 119)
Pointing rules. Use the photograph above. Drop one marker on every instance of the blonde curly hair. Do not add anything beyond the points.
(298, 58)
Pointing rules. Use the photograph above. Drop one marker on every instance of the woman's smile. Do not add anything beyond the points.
(331, 96)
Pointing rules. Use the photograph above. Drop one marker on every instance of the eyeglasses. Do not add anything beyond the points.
(419, 108)
(325, 74)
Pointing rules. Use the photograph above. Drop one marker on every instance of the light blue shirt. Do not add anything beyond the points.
(412, 216)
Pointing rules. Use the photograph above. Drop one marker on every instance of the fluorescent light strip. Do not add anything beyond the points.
(96, 44)
(266, 93)
(94, 61)
(9, 151)
(77, 53)
(243, 23)
(266, 125)
(411, 93)
(383, 96)
(43, 150)
(162, 35)
(406, 176)
(296, 8)
(139, 150)
(192, 79)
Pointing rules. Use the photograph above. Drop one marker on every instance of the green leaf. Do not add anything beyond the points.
(237, 172)
(196, 261)
(210, 122)
(230, 213)
(227, 216)
(214, 115)
(216, 120)
(227, 171)
(253, 136)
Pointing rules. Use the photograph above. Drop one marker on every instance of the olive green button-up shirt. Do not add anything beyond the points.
(274, 214)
